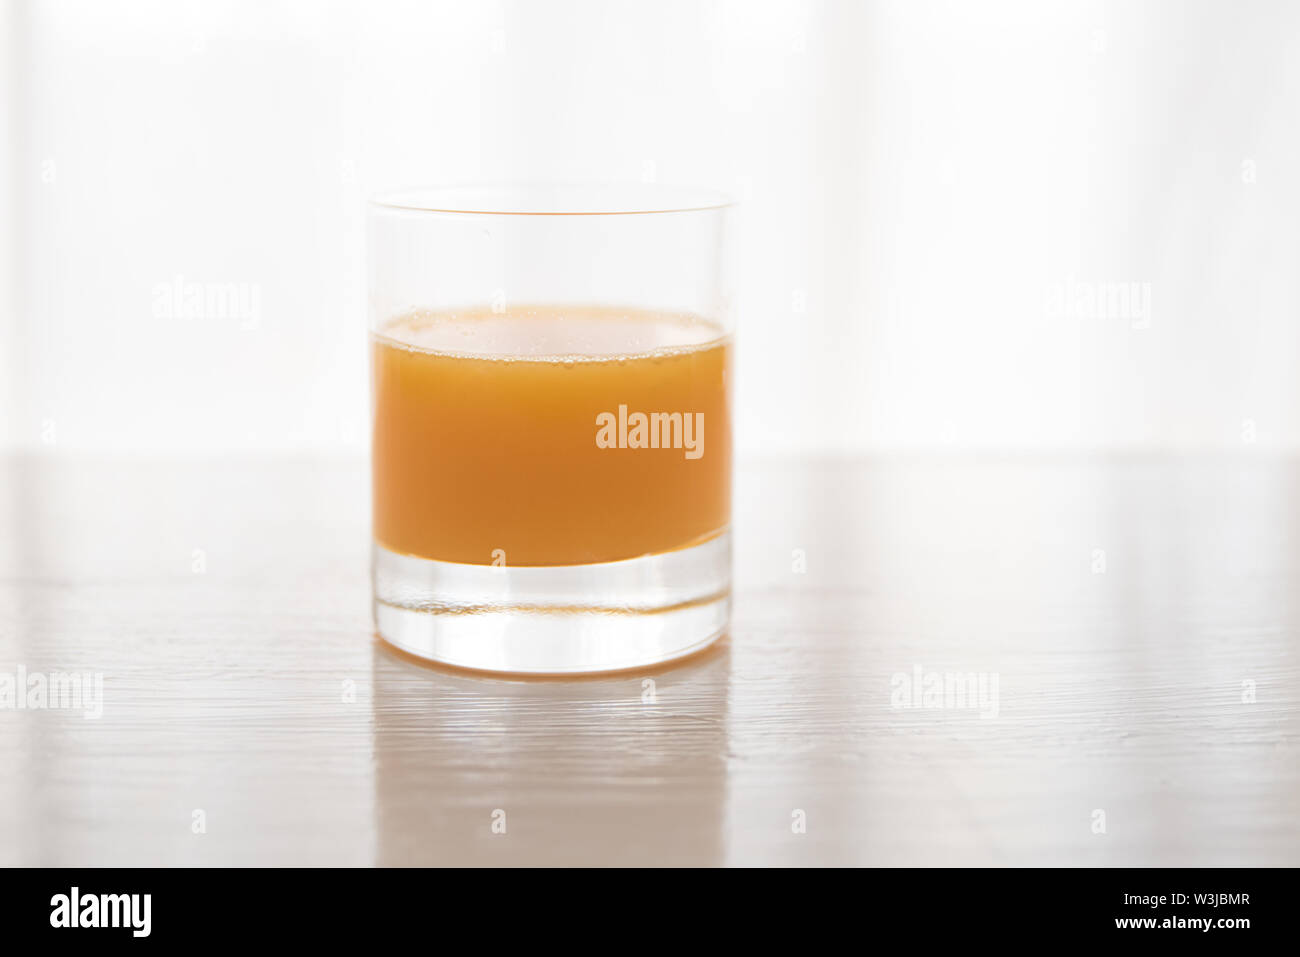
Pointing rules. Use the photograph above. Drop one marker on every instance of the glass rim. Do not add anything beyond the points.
(552, 199)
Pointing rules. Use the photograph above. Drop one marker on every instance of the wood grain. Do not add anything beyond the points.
(1126, 606)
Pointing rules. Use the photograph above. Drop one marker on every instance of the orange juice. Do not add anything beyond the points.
(549, 435)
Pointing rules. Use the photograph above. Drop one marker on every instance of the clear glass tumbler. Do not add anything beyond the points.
(551, 406)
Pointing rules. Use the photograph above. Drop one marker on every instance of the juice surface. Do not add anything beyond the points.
(488, 434)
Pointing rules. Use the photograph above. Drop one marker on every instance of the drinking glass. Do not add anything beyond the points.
(551, 406)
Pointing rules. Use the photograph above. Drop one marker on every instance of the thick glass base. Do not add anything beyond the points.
(568, 619)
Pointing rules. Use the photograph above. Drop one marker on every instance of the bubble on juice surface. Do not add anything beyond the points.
(568, 333)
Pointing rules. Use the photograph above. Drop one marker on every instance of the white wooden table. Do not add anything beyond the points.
(1140, 616)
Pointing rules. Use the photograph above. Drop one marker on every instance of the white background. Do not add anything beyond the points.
(923, 184)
